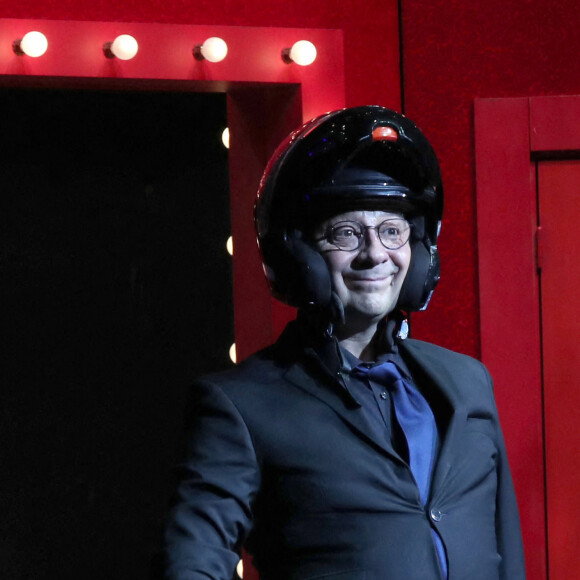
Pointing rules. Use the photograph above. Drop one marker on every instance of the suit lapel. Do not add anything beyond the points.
(446, 383)
(328, 389)
(333, 394)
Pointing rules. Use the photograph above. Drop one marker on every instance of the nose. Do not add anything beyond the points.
(372, 249)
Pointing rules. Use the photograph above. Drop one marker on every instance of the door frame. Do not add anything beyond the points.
(510, 136)
(266, 99)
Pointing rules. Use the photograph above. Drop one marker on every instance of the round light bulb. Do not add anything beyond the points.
(240, 569)
(124, 47)
(233, 357)
(230, 246)
(226, 138)
(33, 44)
(214, 49)
(303, 53)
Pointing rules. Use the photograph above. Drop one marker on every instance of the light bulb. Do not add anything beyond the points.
(226, 138)
(32, 44)
(233, 352)
(124, 47)
(302, 52)
(230, 246)
(213, 49)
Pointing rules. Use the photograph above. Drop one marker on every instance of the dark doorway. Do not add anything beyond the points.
(116, 291)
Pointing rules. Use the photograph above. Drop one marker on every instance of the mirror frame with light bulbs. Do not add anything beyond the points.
(267, 97)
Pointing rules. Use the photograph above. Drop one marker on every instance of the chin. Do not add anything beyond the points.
(371, 313)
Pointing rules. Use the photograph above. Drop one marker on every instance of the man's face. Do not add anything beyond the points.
(367, 280)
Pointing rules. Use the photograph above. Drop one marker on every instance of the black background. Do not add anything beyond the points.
(115, 291)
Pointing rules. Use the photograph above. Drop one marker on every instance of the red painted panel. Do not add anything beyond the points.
(258, 120)
(558, 183)
(372, 67)
(554, 123)
(75, 49)
(454, 52)
(509, 302)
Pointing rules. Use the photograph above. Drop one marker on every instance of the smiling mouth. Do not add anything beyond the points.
(368, 279)
(374, 279)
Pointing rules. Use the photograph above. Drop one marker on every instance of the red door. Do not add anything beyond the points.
(559, 213)
(528, 213)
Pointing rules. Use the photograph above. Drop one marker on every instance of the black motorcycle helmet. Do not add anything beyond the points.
(359, 158)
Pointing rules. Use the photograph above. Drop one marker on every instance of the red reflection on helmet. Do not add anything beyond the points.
(385, 134)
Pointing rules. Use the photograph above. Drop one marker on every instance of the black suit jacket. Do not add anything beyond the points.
(280, 459)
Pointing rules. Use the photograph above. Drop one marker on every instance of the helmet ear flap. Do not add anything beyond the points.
(303, 277)
(422, 277)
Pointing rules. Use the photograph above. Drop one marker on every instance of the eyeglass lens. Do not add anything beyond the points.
(348, 235)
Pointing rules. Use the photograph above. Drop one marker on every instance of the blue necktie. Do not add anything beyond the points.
(418, 425)
(415, 418)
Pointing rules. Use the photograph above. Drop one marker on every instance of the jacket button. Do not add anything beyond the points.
(436, 515)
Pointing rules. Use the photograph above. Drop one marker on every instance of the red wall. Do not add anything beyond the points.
(455, 51)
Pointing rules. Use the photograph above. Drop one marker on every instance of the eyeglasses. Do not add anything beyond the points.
(349, 235)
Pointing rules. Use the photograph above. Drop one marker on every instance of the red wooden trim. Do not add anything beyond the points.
(250, 111)
(562, 135)
(509, 302)
(75, 49)
(561, 350)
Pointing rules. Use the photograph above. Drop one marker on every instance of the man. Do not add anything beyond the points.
(347, 451)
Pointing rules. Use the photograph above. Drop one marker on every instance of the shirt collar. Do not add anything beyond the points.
(339, 361)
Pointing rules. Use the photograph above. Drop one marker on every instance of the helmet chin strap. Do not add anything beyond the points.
(398, 324)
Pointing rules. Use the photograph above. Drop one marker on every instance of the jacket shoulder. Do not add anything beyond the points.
(434, 356)
(434, 350)
(260, 370)
(264, 366)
